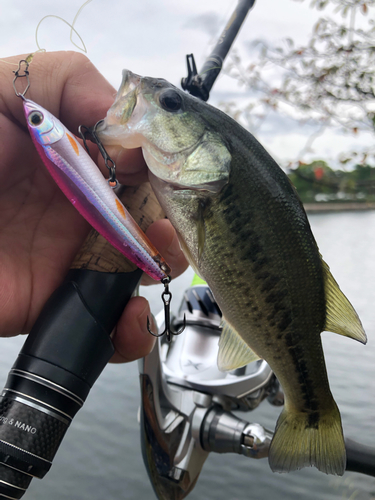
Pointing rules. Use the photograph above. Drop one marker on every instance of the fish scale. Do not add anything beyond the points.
(244, 230)
(253, 255)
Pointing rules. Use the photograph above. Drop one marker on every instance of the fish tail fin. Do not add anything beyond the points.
(305, 439)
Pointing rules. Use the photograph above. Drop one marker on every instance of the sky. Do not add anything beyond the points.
(152, 38)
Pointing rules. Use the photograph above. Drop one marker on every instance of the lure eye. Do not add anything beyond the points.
(35, 118)
(170, 100)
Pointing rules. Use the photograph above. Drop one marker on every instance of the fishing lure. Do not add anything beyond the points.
(83, 184)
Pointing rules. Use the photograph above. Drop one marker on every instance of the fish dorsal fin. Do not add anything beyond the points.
(233, 350)
(341, 317)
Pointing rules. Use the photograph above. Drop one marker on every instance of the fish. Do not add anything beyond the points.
(86, 188)
(244, 230)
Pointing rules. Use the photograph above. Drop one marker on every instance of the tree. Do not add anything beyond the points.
(316, 181)
(330, 81)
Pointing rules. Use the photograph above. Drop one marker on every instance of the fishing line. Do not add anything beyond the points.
(29, 58)
(72, 28)
(74, 21)
(66, 22)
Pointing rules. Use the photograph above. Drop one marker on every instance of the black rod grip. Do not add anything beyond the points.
(65, 352)
(74, 327)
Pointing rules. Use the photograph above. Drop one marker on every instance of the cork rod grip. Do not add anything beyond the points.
(97, 254)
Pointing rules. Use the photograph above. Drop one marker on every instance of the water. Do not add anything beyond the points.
(100, 456)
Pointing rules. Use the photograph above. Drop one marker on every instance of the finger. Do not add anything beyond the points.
(87, 91)
(65, 83)
(164, 237)
(18, 151)
(131, 338)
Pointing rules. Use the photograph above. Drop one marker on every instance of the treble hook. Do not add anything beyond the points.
(166, 297)
(109, 163)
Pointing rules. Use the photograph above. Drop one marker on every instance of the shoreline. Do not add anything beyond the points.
(338, 206)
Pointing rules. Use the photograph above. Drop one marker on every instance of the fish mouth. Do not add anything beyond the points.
(127, 95)
(130, 81)
(127, 106)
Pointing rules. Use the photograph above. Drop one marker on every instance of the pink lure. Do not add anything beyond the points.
(82, 182)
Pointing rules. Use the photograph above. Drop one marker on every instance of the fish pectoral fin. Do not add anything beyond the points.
(188, 255)
(201, 239)
(341, 317)
(201, 228)
(233, 350)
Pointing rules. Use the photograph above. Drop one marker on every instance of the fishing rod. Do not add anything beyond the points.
(200, 84)
(70, 344)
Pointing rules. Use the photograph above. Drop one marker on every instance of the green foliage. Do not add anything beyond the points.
(316, 181)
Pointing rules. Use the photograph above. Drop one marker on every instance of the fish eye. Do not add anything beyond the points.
(170, 100)
(35, 118)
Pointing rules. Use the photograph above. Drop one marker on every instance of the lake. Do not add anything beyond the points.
(100, 457)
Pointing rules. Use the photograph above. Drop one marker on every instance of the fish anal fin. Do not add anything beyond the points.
(233, 350)
(341, 317)
(304, 439)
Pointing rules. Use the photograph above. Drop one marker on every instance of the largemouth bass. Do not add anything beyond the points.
(244, 230)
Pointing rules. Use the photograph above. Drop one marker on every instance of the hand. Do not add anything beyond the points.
(40, 231)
